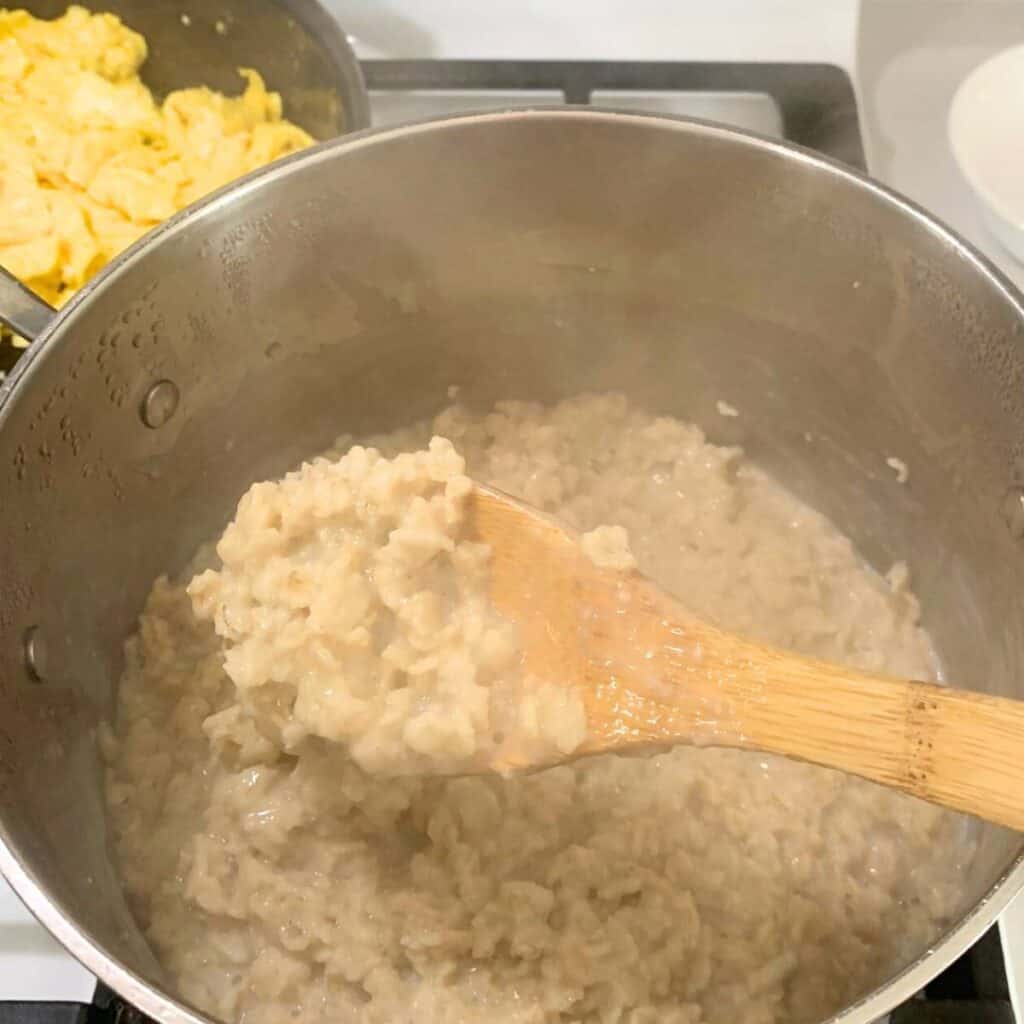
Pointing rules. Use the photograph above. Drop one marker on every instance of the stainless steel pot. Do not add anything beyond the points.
(296, 45)
(525, 254)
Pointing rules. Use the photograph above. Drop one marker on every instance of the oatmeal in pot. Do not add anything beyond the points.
(290, 853)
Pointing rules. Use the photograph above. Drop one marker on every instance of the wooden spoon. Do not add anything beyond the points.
(650, 675)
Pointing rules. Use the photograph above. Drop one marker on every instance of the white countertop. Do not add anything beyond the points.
(767, 30)
(33, 965)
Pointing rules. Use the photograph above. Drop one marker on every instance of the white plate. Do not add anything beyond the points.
(986, 134)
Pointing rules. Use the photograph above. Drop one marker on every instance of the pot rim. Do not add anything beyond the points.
(168, 1009)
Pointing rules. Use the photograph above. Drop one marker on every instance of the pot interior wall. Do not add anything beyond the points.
(525, 256)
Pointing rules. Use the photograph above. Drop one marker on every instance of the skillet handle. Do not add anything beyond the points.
(21, 310)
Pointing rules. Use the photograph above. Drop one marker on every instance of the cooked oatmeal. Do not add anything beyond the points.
(277, 878)
(352, 607)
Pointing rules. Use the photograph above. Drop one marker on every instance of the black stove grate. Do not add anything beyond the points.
(972, 990)
(816, 102)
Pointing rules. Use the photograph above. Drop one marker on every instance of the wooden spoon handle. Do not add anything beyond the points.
(957, 748)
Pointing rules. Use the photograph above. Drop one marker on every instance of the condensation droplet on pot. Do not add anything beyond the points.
(160, 403)
(1012, 510)
(35, 655)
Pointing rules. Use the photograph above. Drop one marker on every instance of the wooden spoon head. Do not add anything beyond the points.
(538, 578)
(605, 632)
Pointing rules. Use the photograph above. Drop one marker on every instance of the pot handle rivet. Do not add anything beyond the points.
(160, 403)
(35, 655)
(1012, 510)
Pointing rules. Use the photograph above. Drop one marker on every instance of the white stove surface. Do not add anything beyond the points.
(904, 56)
(32, 964)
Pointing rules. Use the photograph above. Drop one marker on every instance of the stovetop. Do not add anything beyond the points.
(807, 100)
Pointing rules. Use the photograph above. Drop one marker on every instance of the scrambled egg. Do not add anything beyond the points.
(89, 161)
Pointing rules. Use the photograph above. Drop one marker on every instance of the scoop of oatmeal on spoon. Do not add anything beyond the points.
(353, 605)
